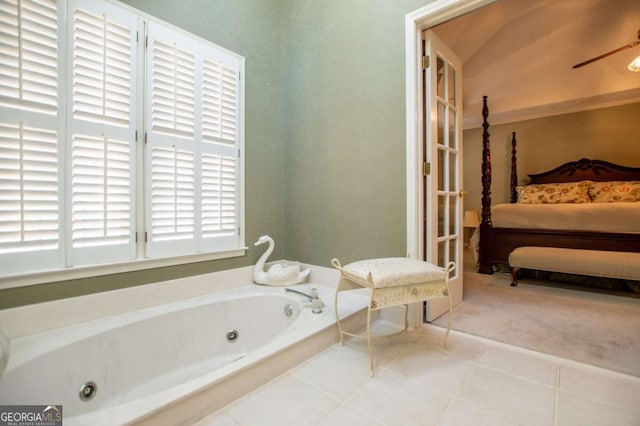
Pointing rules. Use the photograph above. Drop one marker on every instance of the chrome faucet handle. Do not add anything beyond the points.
(316, 303)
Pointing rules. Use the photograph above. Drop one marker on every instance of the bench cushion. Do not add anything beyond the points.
(392, 272)
(597, 263)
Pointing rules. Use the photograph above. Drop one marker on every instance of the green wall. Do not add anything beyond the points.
(345, 144)
(324, 135)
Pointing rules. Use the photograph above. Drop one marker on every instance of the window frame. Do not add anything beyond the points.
(141, 260)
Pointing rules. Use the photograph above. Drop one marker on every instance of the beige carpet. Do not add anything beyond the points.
(598, 329)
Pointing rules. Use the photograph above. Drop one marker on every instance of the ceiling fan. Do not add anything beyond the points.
(604, 55)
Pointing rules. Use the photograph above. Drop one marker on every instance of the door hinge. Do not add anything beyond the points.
(145, 237)
(136, 136)
(425, 62)
(426, 169)
(145, 137)
(136, 236)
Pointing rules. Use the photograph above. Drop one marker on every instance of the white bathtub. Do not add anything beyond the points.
(172, 362)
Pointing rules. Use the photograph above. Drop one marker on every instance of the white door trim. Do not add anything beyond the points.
(415, 22)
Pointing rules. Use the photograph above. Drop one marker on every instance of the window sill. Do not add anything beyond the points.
(43, 277)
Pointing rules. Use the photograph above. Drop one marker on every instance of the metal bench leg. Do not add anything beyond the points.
(370, 343)
(446, 335)
(335, 308)
(450, 267)
(369, 340)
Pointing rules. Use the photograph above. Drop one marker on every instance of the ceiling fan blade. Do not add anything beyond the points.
(597, 58)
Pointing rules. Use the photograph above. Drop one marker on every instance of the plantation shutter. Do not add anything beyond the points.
(193, 165)
(101, 132)
(30, 173)
(219, 147)
(170, 150)
(28, 70)
(85, 86)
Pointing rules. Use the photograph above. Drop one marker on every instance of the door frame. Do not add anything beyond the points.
(417, 21)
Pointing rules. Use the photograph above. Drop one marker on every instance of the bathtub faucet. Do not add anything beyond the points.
(299, 292)
(316, 303)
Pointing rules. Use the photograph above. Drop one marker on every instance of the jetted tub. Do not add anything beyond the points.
(141, 365)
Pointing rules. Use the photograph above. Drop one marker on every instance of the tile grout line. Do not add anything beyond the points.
(515, 376)
(594, 399)
(341, 402)
(456, 395)
(344, 402)
(228, 413)
(265, 385)
(453, 395)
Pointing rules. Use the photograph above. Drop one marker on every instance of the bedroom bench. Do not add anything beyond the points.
(596, 263)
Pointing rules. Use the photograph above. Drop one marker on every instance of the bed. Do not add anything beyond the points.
(584, 214)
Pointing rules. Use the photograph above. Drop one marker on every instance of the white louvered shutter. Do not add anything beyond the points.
(220, 202)
(28, 58)
(70, 105)
(170, 150)
(193, 165)
(101, 132)
(30, 174)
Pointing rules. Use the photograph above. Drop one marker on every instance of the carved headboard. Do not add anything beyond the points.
(585, 169)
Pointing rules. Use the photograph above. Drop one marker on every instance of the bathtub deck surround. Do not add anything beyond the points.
(184, 315)
(39, 317)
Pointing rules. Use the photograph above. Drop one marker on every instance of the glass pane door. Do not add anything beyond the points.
(443, 147)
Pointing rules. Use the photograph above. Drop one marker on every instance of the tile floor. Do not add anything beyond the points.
(480, 382)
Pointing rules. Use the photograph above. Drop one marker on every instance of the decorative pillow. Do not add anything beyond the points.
(608, 192)
(553, 193)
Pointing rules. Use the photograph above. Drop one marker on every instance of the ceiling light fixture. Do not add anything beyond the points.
(634, 65)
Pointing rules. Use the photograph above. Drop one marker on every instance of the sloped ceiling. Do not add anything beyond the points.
(520, 54)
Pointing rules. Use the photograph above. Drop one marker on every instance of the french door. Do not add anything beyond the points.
(442, 184)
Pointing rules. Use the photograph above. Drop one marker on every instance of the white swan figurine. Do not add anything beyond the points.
(279, 274)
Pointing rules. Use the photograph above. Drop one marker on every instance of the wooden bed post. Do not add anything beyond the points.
(485, 225)
(514, 169)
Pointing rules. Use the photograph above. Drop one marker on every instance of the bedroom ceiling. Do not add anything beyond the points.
(520, 54)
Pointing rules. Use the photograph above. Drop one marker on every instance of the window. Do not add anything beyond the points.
(193, 97)
(82, 180)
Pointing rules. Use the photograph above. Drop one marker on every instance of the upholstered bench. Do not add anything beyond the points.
(596, 263)
(392, 281)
